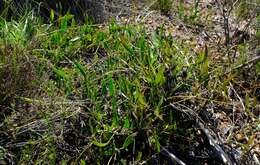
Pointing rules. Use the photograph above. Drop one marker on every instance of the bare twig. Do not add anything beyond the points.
(222, 5)
(240, 99)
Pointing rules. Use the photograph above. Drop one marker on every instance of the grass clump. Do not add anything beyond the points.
(113, 79)
(17, 65)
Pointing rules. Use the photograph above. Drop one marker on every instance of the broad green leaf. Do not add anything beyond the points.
(202, 57)
(88, 37)
(81, 69)
(60, 73)
(158, 145)
(204, 70)
(155, 40)
(69, 16)
(157, 110)
(63, 24)
(100, 144)
(100, 36)
(52, 15)
(111, 87)
(130, 139)
(126, 122)
(2, 153)
(123, 162)
(140, 97)
(127, 46)
(139, 156)
(160, 79)
(83, 162)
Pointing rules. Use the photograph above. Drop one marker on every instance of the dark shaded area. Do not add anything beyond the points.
(79, 8)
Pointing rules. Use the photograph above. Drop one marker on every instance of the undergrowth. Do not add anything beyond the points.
(108, 94)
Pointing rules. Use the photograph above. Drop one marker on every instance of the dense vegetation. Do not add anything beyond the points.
(76, 92)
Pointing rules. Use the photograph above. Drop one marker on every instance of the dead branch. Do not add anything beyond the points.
(209, 134)
(172, 156)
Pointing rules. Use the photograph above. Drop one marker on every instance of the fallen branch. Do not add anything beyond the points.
(213, 143)
(172, 156)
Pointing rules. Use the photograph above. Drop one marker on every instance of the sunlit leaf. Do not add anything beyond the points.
(111, 87)
(127, 46)
(100, 144)
(52, 15)
(126, 123)
(157, 110)
(63, 24)
(81, 69)
(160, 79)
(83, 162)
